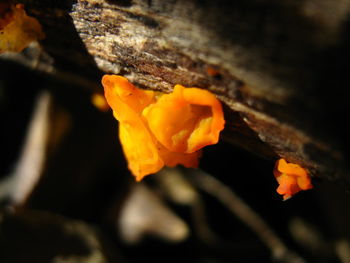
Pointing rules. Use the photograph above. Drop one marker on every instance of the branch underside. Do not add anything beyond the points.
(273, 64)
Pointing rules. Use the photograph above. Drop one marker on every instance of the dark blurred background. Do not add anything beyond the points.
(72, 212)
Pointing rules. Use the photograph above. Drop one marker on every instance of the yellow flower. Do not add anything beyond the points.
(157, 129)
(292, 178)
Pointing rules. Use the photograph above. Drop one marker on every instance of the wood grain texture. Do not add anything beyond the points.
(281, 66)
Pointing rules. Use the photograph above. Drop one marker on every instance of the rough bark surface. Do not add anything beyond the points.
(280, 66)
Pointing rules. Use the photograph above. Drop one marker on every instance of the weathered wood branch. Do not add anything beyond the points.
(280, 67)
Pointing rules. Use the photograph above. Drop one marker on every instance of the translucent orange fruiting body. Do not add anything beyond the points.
(157, 129)
(292, 178)
(212, 72)
(99, 101)
(17, 29)
(6, 14)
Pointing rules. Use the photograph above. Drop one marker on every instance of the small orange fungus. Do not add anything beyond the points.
(157, 129)
(292, 178)
(17, 29)
(212, 72)
(99, 101)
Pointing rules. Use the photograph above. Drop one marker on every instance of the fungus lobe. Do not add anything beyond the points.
(157, 129)
(292, 178)
(17, 29)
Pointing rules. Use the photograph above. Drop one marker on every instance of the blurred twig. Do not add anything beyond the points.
(143, 213)
(247, 215)
(179, 189)
(30, 164)
(342, 249)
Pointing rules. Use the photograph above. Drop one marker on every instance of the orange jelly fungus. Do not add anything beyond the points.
(157, 129)
(212, 72)
(17, 29)
(292, 178)
(99, 101)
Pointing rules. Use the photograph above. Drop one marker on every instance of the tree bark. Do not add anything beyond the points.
(279, 67)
